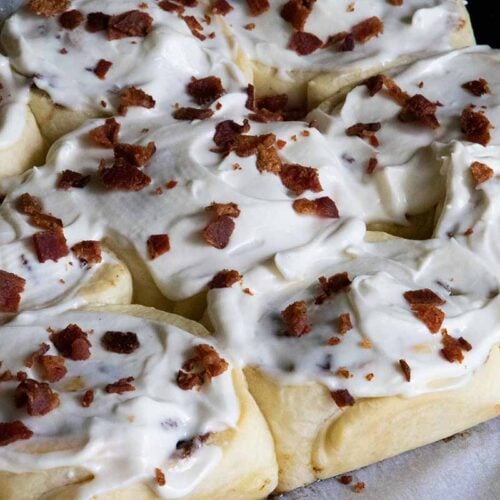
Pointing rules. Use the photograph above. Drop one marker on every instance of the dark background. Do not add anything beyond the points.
(485, 16)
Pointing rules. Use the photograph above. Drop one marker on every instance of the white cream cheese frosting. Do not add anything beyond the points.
(416, 28)
(384, 327)
(14, 96)
(61, 61)
(120, 438)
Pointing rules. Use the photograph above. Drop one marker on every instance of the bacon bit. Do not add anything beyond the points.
(158, 244)
(268, 159)
(195, 27)
(45, 221)
(225, 279)
(88, 252)
(481, 172)
(21, 376)
(134, 154)
(304, 43)
(87, 398)
(106, 135)
(333, 341)
(50, 245)
(38, 397)
(342, 398)
(221, 7)
(53, 368)
(469, 232)
(475, 126)
(365, 131)
(124, 177)
(345, 480)
(6, 376)
(424, 296)
(133, 96)
(430, 315)
(102, 68)
(10, 432)
(48, 8)
(201, 368)
(120, 342)
(339, 282)
(280, 144)
(71, 19)
(367, 29)
(395, 92)
(372, 165)
(405, 368)
(205, 90)
(396, 3)
(69, 179)
(220, 209)
(250, 102)
(344, 373)
(131, 23)
(171, 7)
(11, 288)
(192, 114)
(366, 344)
(298, 178)
(257, 7)
(344, 323)
(120, 386)
(249, 26)
(477, 87)
(358, 487)
(296, 319)
(322, 207)
(28, 205)
(452, 348)
(171, 184)
(159, 474)
(369, 377)
(226, 133)
(97, 21)
(248, 145)
(296, 13)
(72, 343)
(218, 232)
(418, 109)
(30, 360)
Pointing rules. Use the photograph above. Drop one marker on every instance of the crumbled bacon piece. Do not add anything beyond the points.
(158, 244)
(396, 3)
(71, 19)
(344, 323)
(195, 27)
(201, 368)
(322, 207)
(365, 131)
(97, 21)
(268, 159)
(344, 373)
(226, 133)
(477, 87)
(225, 279)
(221, 7)
(395, 92)
(248, 145)
(250, 102)
(298, 178)
(339, 282)
(192, 114)
(120, 386)
(133, 96)
(50, 245)
(475, 126)
(52, 367)
(102, 68)
(88, 252)
(38, 397)
(10, 432)
(28, 205)
(424, 296)
(11, 288)
(296, 319)
(159, 474)
(374, 84)
(72, 343)
(168, 6)
(48, 8)
(131, 23)
(342, 398)
(45, 221)
(367, 29)
(296, 13)
(345, 480)
(273, 103)
(481, 172)
(87, 398)
(124, 177)
(69, 179)
(333, 341)
(30, 360)
(257, 7)
(405, 368)
(220, 209)
(120, 342)
(205, 90)
(218, 232)
(134, 154)
(453, 348)
(418, 109)
(430, 315)
(304, 43)
(358, 487)
(372, 165)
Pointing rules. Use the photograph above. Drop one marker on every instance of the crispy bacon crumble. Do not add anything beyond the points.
(220, 209)
(120, 386)
(159, 474)
(405, 368)
(424, 304)
(88, 252)
(192, 114)
(71, 19)
(205, 90)
(87, 398)
(11, 288)
(120, 342)
(50, 245)
(52, 368)
(106, 135)
(69, 179)
(28, 204)
(344, 323)
(72, 342)
(296, 319)
(481, 172)
(127, 24)
(102, 68)
(304, 43)
(225, 279)
(217, 233)
(37, 397)
(342, 398)
(158, 244)
(48, 8)
(453, 348)
(298, 178)
(475, 126)
(10, 432)
(322, 207)
(477, 87)
(257, 7)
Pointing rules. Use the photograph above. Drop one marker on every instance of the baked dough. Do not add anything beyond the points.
(247, 469)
